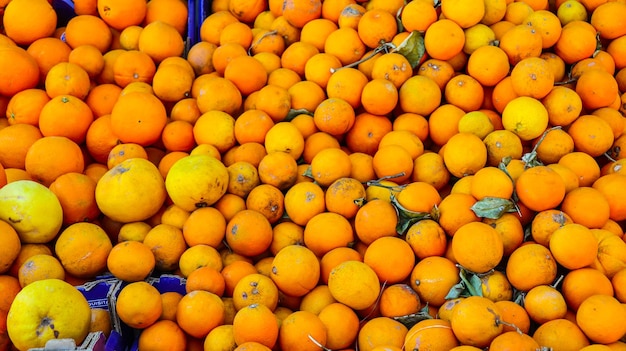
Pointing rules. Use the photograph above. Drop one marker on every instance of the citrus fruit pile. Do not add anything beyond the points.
(337, 175)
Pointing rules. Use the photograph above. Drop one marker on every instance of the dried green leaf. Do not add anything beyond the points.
(406, 217)
(412, 47)
(293, 113)
(493, 207)
(411, 319)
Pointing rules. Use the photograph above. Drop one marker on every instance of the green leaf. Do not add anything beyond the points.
(406, 217)
(411, 319)
(493, 207)
(469, 285)
(308, 173)
(399, 20)
(457, 290)
(472, 281)
(412, 47)
(293, 113)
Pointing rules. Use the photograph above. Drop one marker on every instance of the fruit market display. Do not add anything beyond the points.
(323, 175)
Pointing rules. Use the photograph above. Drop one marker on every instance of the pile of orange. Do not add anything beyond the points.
(320, 170)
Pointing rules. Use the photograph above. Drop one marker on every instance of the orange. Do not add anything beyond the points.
(530, 265)
(379, 96)
(505, 340)
(326, 231)
(247, 73)
(584, 165)
(432, 278)
(532, 77)
(561, 333)
(593, 318)
(41, 50)
(77, 206)
(525, 128)
(581, 283)
(268, 200)
(334, 257)
(66, 78)
(429, 167)
(11, 247)
(521, 41)
(317, 30)
(10, 288)
(540, 188)
(464, 154)
(303, 201)
(162, 333)
(120, 261)
(295, 270)
(418, 15)
(52, 156)
(319, 68)
(335, 116)
(200, 324)
(431, 333)
(578, 202)
(345, 44)
(585, 45)
(515, 314)
(40, 267)
(317, 299)
(299, 14)
(488, 64)
(470, 239)
(255, 323)
(597, 88)
(615, 280)
(306, 95)
(444, 39)
(342, 325)
(510, 228)
(376, 219)
(302, 330)
(491, 182)
(424, 103)
(438, 70)
(286, 233)
(25, 28)
(354, 284)
(167, 244)
(83, 240)
(496, 287)
(24, 70)
(399, 300)
(553, 146)
(393, 162)
(249, 233)
(114, 13)
(25, 106)
(381, 331)
(501, 144)
(455, 211)
(465, 92)
(148, 122)
(139, 304)
(220, 338)
(376, 26)
(545, 303)
(465, 14)
(603, 184)
(476, 321)
(389, 267)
